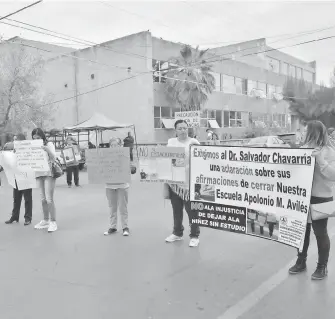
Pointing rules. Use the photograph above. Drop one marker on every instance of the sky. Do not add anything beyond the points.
(204, 23)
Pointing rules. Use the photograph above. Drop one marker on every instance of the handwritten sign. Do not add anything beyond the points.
(192, 118)
(30, 155)
(108, 165)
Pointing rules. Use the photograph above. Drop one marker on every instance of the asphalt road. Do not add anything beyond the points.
(77, 272)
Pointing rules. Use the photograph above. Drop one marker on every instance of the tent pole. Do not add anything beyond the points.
(96, 139)
(135, 142)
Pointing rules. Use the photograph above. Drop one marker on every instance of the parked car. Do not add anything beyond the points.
(267, 141)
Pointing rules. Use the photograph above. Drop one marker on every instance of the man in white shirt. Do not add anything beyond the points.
(179, 194)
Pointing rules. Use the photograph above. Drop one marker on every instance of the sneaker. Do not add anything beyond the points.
(110, 231)
(320, 273)
(126, 232)
(11, 221)
(42, 224)
(194, 242)
(299, 266)
(52, 227)
(27, 222)
(172, 238)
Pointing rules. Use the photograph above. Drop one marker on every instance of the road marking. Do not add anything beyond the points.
(254, 297)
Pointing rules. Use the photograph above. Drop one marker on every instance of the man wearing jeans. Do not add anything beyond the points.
(179, 194)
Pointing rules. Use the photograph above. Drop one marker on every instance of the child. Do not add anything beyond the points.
(117, 196)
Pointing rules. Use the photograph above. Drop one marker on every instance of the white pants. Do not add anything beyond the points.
(118, 200)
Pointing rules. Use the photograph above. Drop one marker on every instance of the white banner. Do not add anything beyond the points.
(270, 187)
(192, 118)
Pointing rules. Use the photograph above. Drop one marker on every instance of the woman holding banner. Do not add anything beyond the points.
(323, 179)
(179, 194)
(46, 182)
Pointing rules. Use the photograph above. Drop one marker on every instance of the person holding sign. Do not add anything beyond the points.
(27, 194)
(46, 182)
(179, 194)
(117, 196)
(72, 168)
(323, 179)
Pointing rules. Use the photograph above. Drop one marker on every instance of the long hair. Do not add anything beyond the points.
(316, 133)
(38, 131)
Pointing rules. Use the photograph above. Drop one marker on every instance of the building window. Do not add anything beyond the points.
(272, 64)
(261, 86)
(163, 117)
(239, 85)
(299, 73)
(284, 68)
(92, 76)
(217, 77)
(308, 76)
(208, 119)
(228, 83)
(291, 71)
(279, 120)
(252, 85)
(235, 119)
(271, 90)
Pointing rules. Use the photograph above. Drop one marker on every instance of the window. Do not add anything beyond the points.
(272, 64)
(291, 71)
(239, 85)
(208, 118)
(217, 77)
(308, 76)
(284, 68)
(163, 117)
(278, 120)
(299, 73)
(271, 90)
(228, 83)
(251, 86)
(261, 86)
(218, 117)
(235, 119)
(92, 76)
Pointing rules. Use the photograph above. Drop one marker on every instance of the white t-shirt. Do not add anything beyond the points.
(174, 142)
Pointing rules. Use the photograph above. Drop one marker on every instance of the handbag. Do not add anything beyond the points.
(56, 169)
(323, 210)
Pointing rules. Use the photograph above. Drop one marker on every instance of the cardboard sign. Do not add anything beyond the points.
(192, 118)
(30, 155)
(108, 165)
(68, 156)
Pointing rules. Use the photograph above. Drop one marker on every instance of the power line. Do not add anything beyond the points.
(17, 11)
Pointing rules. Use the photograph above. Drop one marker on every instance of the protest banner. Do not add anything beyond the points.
(108, 165)
(161, 164)
(30, 155)
(256, 191)
(192, 118)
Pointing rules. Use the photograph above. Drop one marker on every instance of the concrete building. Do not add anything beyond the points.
(115, 78)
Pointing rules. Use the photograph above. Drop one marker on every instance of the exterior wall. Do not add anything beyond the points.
(129, 101)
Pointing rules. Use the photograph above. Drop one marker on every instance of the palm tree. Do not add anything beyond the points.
(307, 105)
(190, 81)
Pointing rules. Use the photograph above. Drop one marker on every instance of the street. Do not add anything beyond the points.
(77, 272)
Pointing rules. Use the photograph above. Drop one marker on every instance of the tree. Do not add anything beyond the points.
(190, 82)
(307, 105)
(21, 96)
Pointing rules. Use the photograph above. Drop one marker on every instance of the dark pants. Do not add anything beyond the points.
(321, 234)
(271, 228)
(72, 170)
(178, 205)
(28, 203)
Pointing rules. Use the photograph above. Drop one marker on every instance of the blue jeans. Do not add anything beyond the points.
(47, 185)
